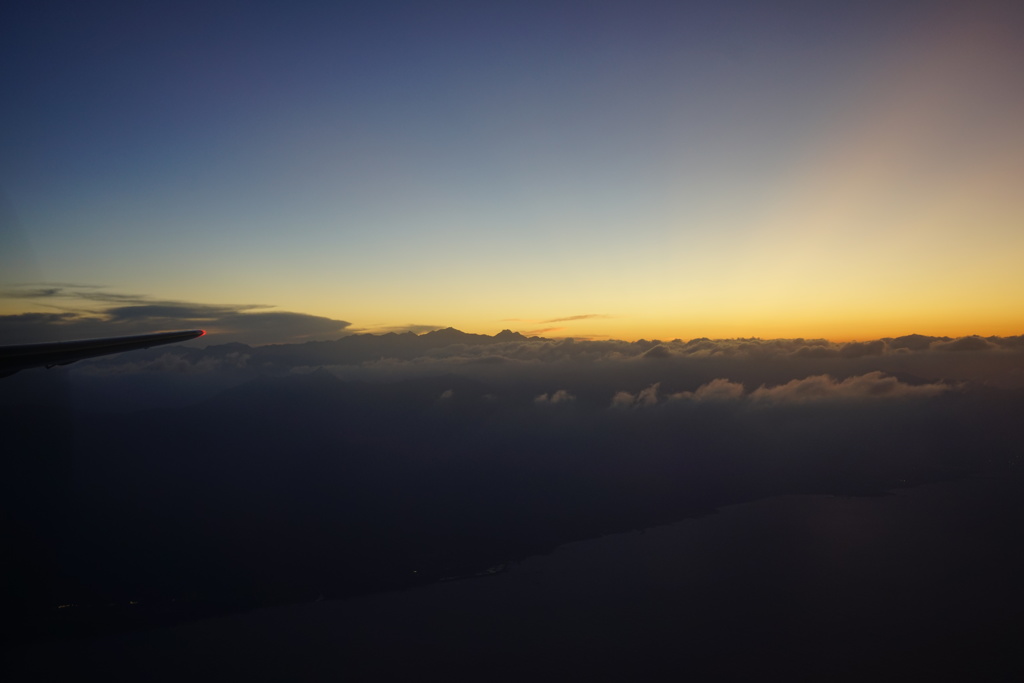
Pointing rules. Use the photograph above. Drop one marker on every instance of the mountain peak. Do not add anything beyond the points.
(448, 332)
(509, 335)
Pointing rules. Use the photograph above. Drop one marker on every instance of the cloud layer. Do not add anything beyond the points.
(282, 472)
(90, 312)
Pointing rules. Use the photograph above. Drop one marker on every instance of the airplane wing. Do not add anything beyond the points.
(49, 354)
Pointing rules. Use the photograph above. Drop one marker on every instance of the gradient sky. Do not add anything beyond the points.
(643, 169)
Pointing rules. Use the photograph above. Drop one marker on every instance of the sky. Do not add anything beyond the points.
(846, 170)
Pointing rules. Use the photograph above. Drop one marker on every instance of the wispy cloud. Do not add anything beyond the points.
(542, 331)
(585, 316)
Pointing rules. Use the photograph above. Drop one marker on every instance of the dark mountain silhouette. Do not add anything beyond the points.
(352, 349)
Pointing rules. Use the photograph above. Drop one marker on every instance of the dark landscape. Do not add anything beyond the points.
(165, 486)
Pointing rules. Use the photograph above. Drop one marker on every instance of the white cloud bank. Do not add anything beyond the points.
(869, 386)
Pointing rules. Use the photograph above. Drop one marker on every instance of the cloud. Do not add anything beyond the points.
(974, 343)
(816, 352)
(715, 390)
(645, 398)
(29, 328)
(585, 316)
(581, 366)
(39, 318)
(39, 290)
(868, 386)
(191, 312)
(914, 342)
(858, 349)
(275, 327)
(1008, 342)
(656, 352)
(540, 331)
(168, 363)
(871, 385)
(560, 396)
(35, 293)
(134, 314)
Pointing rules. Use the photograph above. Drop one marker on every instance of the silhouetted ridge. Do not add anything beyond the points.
(360, 348)
(509, 335)
(454, 336)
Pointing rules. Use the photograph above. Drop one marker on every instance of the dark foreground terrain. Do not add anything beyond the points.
(229, 488)
(923, 583)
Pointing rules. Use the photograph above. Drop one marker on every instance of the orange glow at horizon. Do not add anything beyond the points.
(872, 191)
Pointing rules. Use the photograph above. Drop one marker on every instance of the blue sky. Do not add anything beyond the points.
(679, 169)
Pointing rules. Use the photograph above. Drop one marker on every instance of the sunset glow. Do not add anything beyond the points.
(651, 171)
